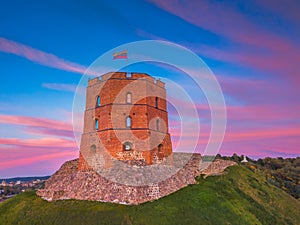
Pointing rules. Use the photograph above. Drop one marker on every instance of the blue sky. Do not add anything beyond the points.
(252, 48)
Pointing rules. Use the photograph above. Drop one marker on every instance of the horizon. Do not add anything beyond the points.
(49, 175)
(45, 47)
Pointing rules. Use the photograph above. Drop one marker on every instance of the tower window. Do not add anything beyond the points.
(156, 102)
(93, 148)
(127, 146)
(160, 148)
(157, 124)
(96, 124)
(128, 97)
(98, 101)
(128, 121)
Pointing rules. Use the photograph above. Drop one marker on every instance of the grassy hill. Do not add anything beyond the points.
(239, 197)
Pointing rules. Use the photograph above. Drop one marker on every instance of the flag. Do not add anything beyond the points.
(121, 55)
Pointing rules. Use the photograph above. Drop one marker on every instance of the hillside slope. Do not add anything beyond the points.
(239, 197)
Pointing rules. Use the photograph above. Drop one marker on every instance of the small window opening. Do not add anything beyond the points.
(160, 148)
(96, 124)
(127, 146)
(128, 97)
(128, 121)
(93, 148)
(98, 101)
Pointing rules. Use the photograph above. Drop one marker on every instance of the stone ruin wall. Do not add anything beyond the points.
(69, 183)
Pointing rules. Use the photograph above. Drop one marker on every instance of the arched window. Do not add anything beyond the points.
(128, 97)
(128, 75)
(93, 148)
(128, 121)
(127, 146)
(156, 102)
(160, 147)
(98, 101)
(157, 124)
(96, 124)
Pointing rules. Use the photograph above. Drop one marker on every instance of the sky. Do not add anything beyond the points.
(252, 47)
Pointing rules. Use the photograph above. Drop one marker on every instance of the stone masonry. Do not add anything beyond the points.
(69, 183)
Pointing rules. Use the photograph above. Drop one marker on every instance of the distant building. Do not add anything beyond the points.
(25, 184)
(244, 160)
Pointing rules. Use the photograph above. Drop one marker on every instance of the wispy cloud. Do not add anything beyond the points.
(52, 160)
(223, 20)
(38, 56)
(53, 143)
(63, 87)
(289, 10)
(42, 142)
(48, 131)
(34, 122)
(250, 141)
(255, 46)
(39, 126)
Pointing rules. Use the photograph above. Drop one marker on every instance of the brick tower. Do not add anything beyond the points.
(125, 119)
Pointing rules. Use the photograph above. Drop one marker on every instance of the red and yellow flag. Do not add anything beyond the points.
(121, 55)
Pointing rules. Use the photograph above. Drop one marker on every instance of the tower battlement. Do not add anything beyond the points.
(125, 75)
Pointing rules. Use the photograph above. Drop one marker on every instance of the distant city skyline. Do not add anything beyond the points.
(45, 47)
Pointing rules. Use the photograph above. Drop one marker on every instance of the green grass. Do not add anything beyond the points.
(239, 197)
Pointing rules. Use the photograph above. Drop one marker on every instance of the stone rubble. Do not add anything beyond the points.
(69, 183)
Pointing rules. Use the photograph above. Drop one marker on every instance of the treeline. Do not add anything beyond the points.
(14, 179)
(17, 189)
(281, 172)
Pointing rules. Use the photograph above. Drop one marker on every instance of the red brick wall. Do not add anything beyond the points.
(144, 136)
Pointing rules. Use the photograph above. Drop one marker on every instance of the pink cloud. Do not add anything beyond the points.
(263, 113)
(250, 100)
(271, 52)
(289, 10)
(277, 62)
(252, 129)
(48, 132)
(37, 158)
(39, 126)
(234, 133)
(56, 147)
(223, 20)
(262, 133)
(259, 149)
(34, 122)
(12, 152)
(282, 141)
(43, 142)
(18, 153)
